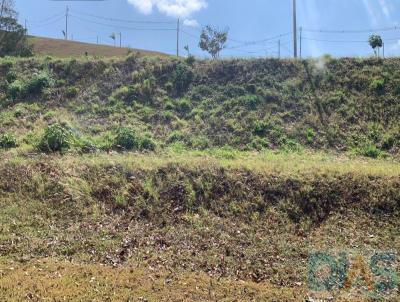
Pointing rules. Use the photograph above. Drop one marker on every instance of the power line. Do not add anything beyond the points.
(46, 24)
(271, 40)
(122, 27)
(335, 41)
(346, 41)
(360, 31)
(47, 19)
(122, 20)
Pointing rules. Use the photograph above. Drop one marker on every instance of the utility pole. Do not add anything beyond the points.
(97, 39)
(26, 29)
(279, 48)
(177, 38)
(301, 41)
(383, 49)
(120, 40)
(66, 23)
(294, 29)
(2, 8)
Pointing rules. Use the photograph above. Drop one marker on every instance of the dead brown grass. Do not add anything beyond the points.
(63, 49)
(50, 279)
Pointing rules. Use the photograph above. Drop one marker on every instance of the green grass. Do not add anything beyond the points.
(236, 171)
(246, 105)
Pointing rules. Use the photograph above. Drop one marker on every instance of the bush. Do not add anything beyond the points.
(147, 143)
(86, 145)
(249, 101)
(56, 138)
(259, 143)
(127, 139)
(11, 76)
(7, 141)
(181, 78)
(190, 60)
(15, 89)
(309, 135)
(183, 106)
(260, 128)
(125, 93)
(377, 85)
(369, 151)
(71, 92)
(175, 136)
(200, 142)
(37, 83)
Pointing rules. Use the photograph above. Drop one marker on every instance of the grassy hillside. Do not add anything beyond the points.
(342, 105)
(158, 179)
(64, 49)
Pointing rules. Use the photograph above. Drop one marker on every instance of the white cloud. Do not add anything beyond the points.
(191, 23)
(171, 8)
(144, 6)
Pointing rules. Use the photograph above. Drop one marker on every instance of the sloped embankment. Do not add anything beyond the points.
(327, 104)
(226, 222)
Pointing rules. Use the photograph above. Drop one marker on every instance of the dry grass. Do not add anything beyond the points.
(52, 280)
(262, 162)
(64, 49)
(63, 236)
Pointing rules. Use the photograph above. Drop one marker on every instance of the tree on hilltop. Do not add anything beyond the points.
(376, 43)
(213, 40)
(13, 41)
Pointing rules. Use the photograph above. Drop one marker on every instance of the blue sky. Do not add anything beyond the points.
(253, 24)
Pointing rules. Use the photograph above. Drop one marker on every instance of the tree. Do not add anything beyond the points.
(376, 43)
(213, 40)
(13, 39)
(7, 9)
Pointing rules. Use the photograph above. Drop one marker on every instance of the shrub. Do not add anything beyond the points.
(15, 89)
(168, 116)
(71, 92)
(7, 141)
(120, 200)
(125, 93)
(175, 136)
(127, 139)
(389, 141)
(377, 85)
(309, 135)
(168, 105)
(249, 101)
(56, 138)
(11, 76)
(181, 78)
(86, 145)
(183, 106)
(259, 143)
(37, 83)
(200, 142)
(397, 90)
(147, 143)
(49, 115)
(190, 60)
(369, 151)
(260, 128)
(288, 145)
